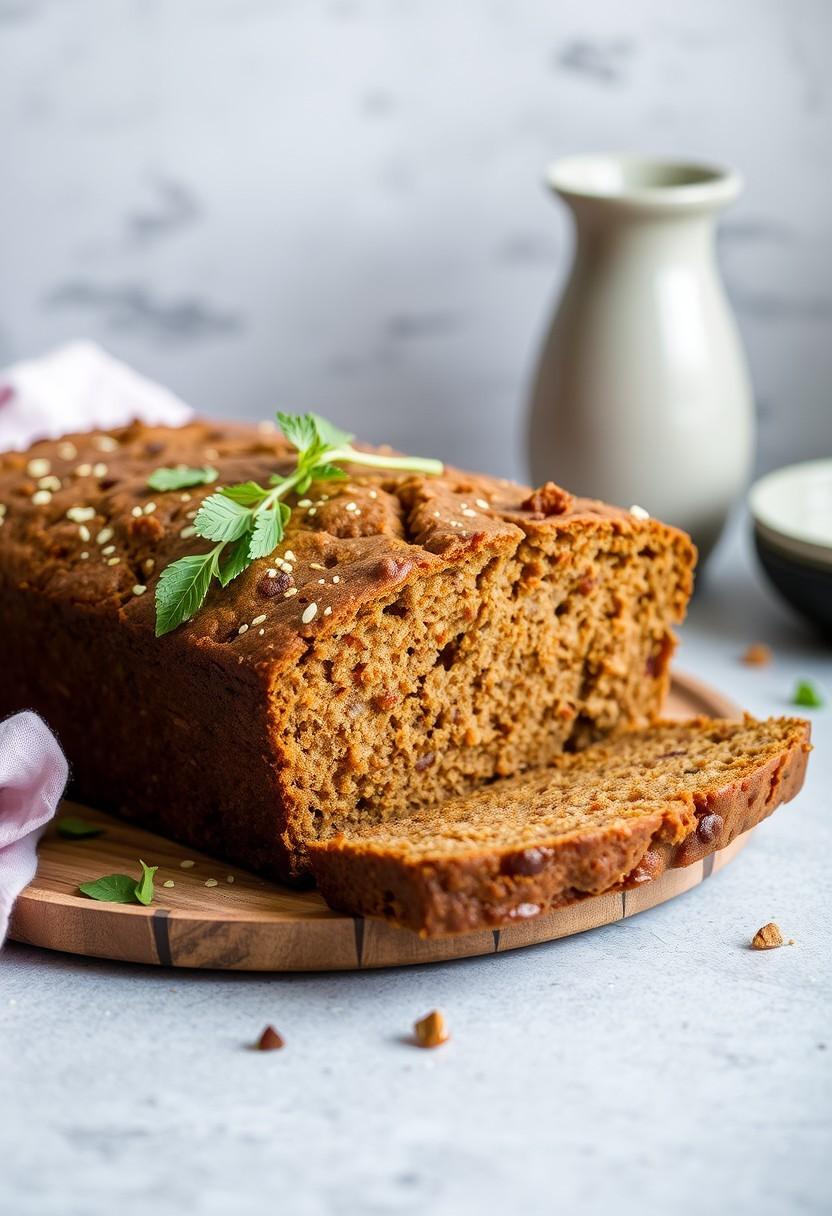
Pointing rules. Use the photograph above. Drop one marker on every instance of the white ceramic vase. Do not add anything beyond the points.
(642, 393)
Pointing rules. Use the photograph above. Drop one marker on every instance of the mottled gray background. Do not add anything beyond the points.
(336, 204)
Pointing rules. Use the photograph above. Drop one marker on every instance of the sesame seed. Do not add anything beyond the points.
(229, 878)
(437, 515)
(100, 469)
(260, 632)
(336, 578)
(373, 493)
(327, 612)
(41, 497)
(84, 470)
(168, 883)
(309, 613)
(108, 549)
(149, 508)
(3, 508)
(67, 451)
(243, 628)
(312, 511)
(186, 865)
(271, 572)
(148, 565)
(191, 514)
(316, 566)
(463, 505)
(211, 882)
(139, 589)
(290, 592)
(258, 620)
(481, 503)
(351, 506)
(188, 532)
(103, 536)
(136, 512)
(83, 556)
(49, 483)
(638, 512)
(113, 561)
(80, 515)
(105, 443)
(83, 532)
(304, 502)
(289, 556)
(184, 498)
(322, 581)
(38, 467)
(467, 511)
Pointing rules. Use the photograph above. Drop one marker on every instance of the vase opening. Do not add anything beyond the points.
(643, 181)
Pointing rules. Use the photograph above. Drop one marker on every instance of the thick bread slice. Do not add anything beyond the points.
(611, 816)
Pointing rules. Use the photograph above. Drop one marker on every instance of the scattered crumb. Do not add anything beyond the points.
(431, 1030)
(757, 655)
(229, 878)
(168, 883)
(210, 882)
(767, 938)
(186, 865)
(270, 1040)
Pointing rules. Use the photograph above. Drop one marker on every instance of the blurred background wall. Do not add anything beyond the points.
(337, 204)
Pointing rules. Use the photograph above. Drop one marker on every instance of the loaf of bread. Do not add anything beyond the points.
(615, 815)
(412, 638)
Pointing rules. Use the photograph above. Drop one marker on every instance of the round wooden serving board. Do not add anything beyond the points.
(248, 924)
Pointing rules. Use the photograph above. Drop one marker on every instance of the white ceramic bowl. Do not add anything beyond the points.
(792, 512)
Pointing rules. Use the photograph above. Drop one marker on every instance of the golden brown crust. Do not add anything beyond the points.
(487, 887)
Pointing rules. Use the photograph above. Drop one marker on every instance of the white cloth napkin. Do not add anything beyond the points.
(77, 387)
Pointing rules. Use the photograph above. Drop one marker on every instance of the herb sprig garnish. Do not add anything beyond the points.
(248, 521)
(121, 888)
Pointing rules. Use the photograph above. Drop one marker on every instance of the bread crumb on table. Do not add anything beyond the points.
(270, 1040)
(431, 1030)
(768, 937)
(757, 655)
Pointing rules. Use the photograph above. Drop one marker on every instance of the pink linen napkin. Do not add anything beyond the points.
(33, 774)
(77, 387)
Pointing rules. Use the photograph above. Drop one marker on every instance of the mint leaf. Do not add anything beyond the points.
(180, 477)
(112, 888)
(299, 429)
(221, 518)
(182, 589)
(329, 434)
(236, 560)
(807, 695)
(247, 493)
(268, 530)
(144, 887)
(73, 827)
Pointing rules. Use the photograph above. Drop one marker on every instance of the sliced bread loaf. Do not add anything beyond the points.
(613, 815)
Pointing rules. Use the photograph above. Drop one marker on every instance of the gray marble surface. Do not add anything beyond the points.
(337, 204)
(657, 1065)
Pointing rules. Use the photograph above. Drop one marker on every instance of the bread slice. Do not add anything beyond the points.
(612, 816)
(410, 638)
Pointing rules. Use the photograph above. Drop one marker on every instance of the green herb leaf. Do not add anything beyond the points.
(299, 429)
(73, 827)
(144, 887)
(180, 477)
(268, 532)
(235, 560)
(221, 518)
(807, 695)
(247, 493)
(112, 888)
(182, 589)
(252, 520)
